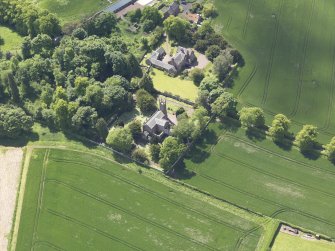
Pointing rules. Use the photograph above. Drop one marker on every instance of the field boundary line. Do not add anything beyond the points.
(303, 63)
(272, 54)
(133, 214)
(20, 199)
(147, 190)
(281, 156)
(92, 228)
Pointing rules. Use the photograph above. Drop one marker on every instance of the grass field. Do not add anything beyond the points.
(288, 46)
(78, 201)
(257, 174)
(12, 40)
(72, 10)
(176, 86)
(286, 242)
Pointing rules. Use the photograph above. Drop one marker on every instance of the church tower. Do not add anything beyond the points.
(162, 106)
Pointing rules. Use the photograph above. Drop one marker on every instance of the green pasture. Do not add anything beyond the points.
(70, 11)
(177, 86)
(288, 48)
(12, 40)
(286, 242)
(79, 201)
(255, 173)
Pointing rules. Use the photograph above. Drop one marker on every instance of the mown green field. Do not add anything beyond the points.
(78, 201)
(257, 174)
(288, 47)
(180, 87)
(72, 10)
(286, 242)
(12, 40)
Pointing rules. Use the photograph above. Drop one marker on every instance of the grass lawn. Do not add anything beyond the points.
(72, 10)
(288, 70)
(12, 40)
(257, 174)
(183, 88)
(79, 201)
(286, 242)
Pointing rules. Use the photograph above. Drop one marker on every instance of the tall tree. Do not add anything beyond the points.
(120, 139)
(170, 152)
(252, 117)
(279, 128)
(306, 138)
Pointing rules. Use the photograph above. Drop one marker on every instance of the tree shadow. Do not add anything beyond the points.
(197, 154)
(311, 154)
(285, 144)
(255, 134)
(181, 172)
(21, 141)
(230, 124)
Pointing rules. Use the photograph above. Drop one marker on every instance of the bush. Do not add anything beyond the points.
(197, 76)
(135, 128)
(180, 111)
(140, 155)
(155, 150)
(213, 52)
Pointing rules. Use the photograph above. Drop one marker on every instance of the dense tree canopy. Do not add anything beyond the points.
(252, 117)
(14, 121)
(329, 150)
(120, 139)
(177, 28)
(27, 19)
(279, 128)
(225, 105)
(170, 151)
(306, 138)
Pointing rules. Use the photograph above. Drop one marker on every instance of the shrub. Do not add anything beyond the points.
(140, 155)
(197, 76)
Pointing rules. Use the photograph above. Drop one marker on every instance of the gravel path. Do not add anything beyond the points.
(10, 169)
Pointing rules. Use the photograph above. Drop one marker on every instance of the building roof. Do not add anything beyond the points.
(193, 17)
(119, 4)
(160, 51)
(163, 65)
(179, 58)
(157, 119)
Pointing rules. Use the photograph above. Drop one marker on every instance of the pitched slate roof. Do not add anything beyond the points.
(157, 119)
(119, 4)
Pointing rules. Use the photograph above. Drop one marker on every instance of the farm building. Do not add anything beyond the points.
(173, 9)
(119, 5)
(183, 58)
(158, 125)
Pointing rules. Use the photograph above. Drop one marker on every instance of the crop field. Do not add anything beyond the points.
(78, 201)
(12, 40)
(289, 50)
(259, 175)
(286, 242)
(72, 10)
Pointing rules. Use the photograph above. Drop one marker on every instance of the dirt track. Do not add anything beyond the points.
(10, 169)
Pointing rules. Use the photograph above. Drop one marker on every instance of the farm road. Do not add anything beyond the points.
(10, 169)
